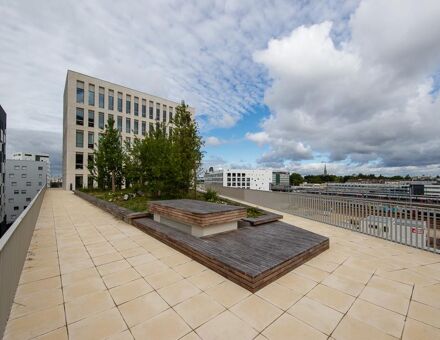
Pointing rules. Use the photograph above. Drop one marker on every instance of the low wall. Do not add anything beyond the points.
(14, 246)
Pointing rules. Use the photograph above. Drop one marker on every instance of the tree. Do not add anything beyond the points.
(296, 179)
(106, 164)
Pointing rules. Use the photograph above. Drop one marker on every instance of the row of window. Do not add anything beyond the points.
(24, 167)
(110, 101)
(23, 192)
(28, 184)
(28, 199)
(12, 175)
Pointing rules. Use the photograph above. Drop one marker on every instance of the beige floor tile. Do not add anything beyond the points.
(130, 290)
(29, 303)
(226, 326)
(151, 268)
(142, 308)
(35, 324)
(107, 258)
(36, 286)
(409, 276)
(163, 279)
(88, 305)
(167, 326)
(189, 269)
(120, 277)
(387, 321)
(424, 313)
(39, 274)
(206, 279)
(125, 335)
(391, 286)
(311, 273)
(228, 293)
(198, 309)
(321, 263)
(331, 297)
(297, 283)
(279, 295)
(256, 311)
(178, 292)
(191, 336)
(382, 298)
(102, 325)
(175, 260)
(140, 259)
(353, 273)
(343, 284)
(83, 287)
(112, 267)
(131, 252)
(350, 328)
(315, 314)
(73, 266)
(415, 330)
(428, 295)
(58, 334)
(288, 327)
(75, 277)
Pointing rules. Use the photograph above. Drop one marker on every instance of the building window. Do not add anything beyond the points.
(92, 94)
(40, 175)
(127, 103)
(101, 120)
(110, 116)
(101, 97)
(151, 128)
(79, 138)
(164, 113)
(89, 181)
(23, 175)
(136, 127)
(16, 192)
(16, 208)
(11, 200)
(40, 184)
(136, 106)
(91, 118)
(120, 101)
(78, 181)
(11, 175)
(40, 168)
(144, 108)
(16, 167)
(79, 160)
(79, 116)
(28, 199)
(150, 108)
(79, 91)
(144, 128)
(28, 184)
(120, 123)
(111, 98)
(127, 125)
(23, 167)
(23, 192)
(91, 142)
(171, 114)
(157, 111)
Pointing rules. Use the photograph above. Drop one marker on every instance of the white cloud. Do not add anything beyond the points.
(213, 141)
(363, 99)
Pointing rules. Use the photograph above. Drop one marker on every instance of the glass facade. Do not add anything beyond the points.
(79, 116)
(101, 97)
(101, 120)
(111, 98)
(79, 92)
(91, 94)
(119, 101)
(79, 138)
(127, 104)
(144, 128)
(164, 113)
(91, 140)
(136, 106)
(157, 111)
(91, 118)
(79, 160)
(144, 108)
(120, 123)
(127, 125)
(136, 127)
(150, 108)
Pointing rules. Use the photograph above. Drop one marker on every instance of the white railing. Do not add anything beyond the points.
(402, 222)
(14, 245)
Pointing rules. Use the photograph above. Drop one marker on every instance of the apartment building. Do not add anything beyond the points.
(88, 104)
(2, 171)
(258, 179)
(38, 157)
(24, 179)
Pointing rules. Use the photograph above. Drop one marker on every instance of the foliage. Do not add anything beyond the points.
(253, 212)
(296, 179)
(211, 196)
(106, 165)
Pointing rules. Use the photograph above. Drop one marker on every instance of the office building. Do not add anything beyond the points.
(39, 157)
(2, 171)
(88, 104)
(280, 181)
(24, 179)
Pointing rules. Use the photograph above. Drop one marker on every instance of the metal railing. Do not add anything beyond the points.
(413, 225)
(14, 245)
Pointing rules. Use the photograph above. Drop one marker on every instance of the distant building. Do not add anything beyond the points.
(39, 157)
(2, 171)
(280, 181)
(24, 179)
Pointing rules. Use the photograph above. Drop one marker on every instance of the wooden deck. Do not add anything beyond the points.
(251, 256)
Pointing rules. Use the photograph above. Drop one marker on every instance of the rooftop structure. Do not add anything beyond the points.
(38, 157)
(88, 104)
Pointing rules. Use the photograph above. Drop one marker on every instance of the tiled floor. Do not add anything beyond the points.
(90, 276)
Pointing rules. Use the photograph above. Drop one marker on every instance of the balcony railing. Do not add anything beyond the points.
(402, 222)
(14, 245)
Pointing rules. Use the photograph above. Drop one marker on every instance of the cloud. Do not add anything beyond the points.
(213, 141)
(367, 98)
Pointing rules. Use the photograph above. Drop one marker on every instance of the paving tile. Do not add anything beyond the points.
(131, 252)
(57, 334)
(332, 298)
(256, 311)
(36, 286)
(107, 258)
(125, 335)
(344, 284)
(75, 277)
(189, 269)
(311, 273)
(112, 267)
(163, 279)
(227, 293)
(382, 298)
(140, 259)
(83, 287)
(415, 330)
(353, 273)
(88, 305)
(288, 327)
(142, 308)
(424, 313)
(165, 326)
(130, 290)
(102, 325)
(279, 295)
(387, 321)
(206, 279)
(297, 283)
(198, 309)
(178, 292)
(350, 328)
(120, 277)
(175, 260)
(315, 314)
(409, 276)
(151, 268)
(226, 326)
(391, 286)
(428, 295)
(29, 303)
(191, 336)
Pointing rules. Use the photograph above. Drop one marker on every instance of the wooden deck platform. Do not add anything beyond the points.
(251, 256)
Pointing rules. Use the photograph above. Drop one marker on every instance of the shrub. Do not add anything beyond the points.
(211, 196)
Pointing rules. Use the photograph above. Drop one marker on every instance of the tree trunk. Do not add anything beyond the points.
(113, 182)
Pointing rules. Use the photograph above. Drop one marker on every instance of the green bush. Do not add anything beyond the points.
(211, 196)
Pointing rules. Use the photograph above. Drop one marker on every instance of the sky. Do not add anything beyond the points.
(276, 84)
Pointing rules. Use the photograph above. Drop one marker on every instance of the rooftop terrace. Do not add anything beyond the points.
(90, 276)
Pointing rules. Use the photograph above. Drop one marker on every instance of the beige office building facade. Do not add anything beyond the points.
(88, 103)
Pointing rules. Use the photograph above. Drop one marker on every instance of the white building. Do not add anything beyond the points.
(88, 104)
(260, 179)
(2, 171)
(38, 157)
(24, 179)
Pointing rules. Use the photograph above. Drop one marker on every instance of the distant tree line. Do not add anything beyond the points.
(165, 165)
(297, 179)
